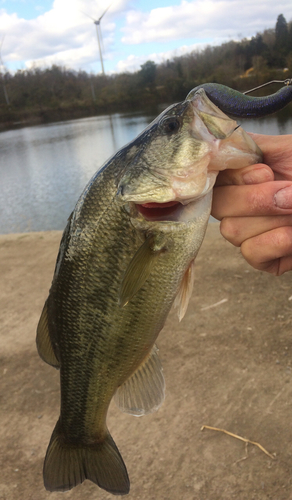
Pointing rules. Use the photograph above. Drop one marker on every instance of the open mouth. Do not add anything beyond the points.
(158, 211)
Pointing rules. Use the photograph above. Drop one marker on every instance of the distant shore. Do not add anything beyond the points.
(12, 119)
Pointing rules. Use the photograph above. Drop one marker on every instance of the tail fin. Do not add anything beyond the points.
(67, 465)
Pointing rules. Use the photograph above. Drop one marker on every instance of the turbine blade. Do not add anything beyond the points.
(87, 15)
(99, 19)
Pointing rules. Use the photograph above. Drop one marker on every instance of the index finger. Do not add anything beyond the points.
(250, 200)
(253, 174)
(277, 152)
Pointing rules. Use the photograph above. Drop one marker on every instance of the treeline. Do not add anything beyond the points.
(58, 93)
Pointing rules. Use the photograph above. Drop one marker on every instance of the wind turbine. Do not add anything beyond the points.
(98, 34)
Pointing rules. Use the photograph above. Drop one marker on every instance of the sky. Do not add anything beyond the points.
(45, 32)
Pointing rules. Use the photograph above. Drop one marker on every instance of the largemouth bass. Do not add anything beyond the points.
(126, 255)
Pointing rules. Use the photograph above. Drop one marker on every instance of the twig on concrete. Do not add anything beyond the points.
(214, 305)
(240, 438)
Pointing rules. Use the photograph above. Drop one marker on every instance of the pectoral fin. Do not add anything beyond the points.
(185, 291)
(43, 340)
(144, 391)
(140, 268)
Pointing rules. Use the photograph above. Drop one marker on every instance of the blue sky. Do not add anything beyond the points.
(46, 32)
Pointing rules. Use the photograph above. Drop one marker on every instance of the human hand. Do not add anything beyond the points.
(254, 205)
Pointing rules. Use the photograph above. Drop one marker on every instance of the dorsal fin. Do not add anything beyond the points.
(144, 391)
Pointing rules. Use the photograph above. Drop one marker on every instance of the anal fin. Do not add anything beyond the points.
(144, 391)
(43, 340)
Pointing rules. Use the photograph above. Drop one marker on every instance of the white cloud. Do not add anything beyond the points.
(199, 19)
(63, 35)
(66, 36)
(133, 63)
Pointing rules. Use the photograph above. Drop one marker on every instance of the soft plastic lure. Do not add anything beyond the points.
(240, 105)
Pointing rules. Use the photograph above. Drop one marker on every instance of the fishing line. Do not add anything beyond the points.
(287, 82)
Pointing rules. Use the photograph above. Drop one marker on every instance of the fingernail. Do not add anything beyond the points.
(257, 176)
(283, 198)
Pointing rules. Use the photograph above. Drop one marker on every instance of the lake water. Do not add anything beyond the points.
(44, 169)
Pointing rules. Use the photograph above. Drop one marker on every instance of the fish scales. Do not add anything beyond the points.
(126, 254)
(98, 318)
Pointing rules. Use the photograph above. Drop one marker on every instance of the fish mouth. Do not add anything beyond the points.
(160, 211)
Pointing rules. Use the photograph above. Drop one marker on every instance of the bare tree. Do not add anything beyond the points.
(3, 74)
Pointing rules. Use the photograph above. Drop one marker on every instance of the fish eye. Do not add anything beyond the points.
(171, 125)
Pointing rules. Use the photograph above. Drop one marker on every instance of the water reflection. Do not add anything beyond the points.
(278, 124)
(45, 168)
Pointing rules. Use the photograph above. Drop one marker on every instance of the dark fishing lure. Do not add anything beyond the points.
(237, 104)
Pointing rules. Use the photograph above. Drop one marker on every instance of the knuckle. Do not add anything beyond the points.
(230, 230)
(283, 239)
(268, 251)
(256, 260)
